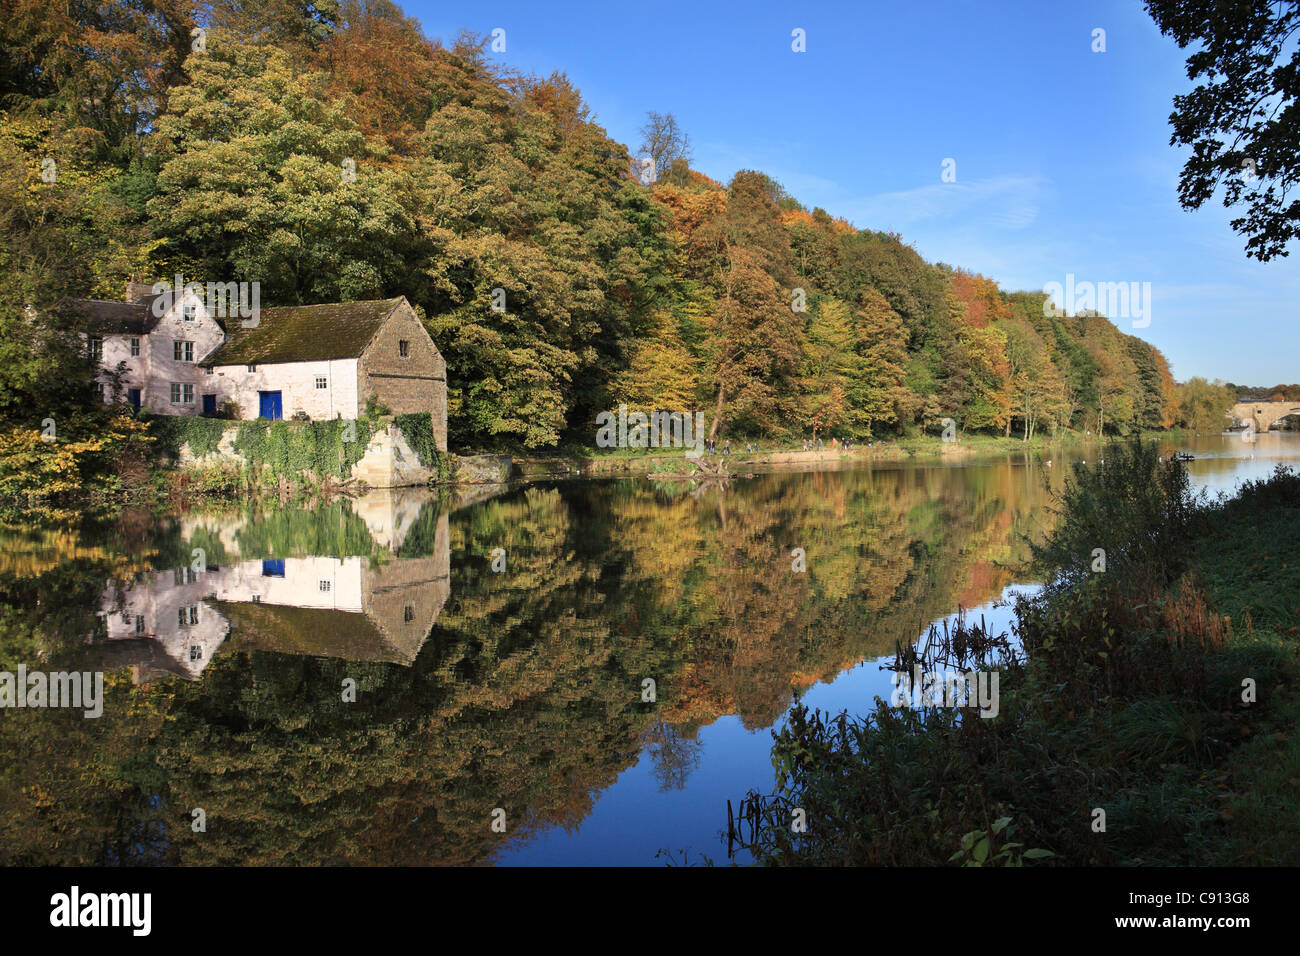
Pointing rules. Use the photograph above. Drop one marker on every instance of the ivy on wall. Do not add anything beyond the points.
(325, 448)
(202, 434)
(417, 429)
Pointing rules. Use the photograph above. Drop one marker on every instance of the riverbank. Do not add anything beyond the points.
(647, 461)
(1147, 705)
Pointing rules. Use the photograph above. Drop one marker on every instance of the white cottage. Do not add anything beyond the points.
(315, 361)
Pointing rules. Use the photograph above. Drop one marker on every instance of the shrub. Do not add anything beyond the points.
(1138, 509)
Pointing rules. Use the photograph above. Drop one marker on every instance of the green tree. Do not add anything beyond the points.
(1241, 119)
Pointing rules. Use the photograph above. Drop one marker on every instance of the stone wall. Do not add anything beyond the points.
(388, 462)
(414, 382)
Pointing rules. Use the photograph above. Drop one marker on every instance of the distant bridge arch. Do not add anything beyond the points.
(1263, 414)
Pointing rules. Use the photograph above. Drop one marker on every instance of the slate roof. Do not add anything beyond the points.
(113, 318)
(304, 333)
(315, 632)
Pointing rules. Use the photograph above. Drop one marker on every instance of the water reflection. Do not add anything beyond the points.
(477, 689)
(353, 608)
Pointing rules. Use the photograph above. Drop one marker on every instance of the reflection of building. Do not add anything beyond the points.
(356, 608)
(162, 623)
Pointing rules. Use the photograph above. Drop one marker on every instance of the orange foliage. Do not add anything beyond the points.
(983, 300)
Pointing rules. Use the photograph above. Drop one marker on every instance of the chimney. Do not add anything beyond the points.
(136, 290)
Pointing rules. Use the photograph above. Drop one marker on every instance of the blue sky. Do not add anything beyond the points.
(1063, 162)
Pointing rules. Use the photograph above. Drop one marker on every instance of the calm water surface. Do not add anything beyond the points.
(478, 690)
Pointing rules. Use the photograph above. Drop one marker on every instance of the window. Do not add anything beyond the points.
(324, 585)
(187, 616)
(135, 347)
(182, 394)
(196, 652)
(139, 623)
(194, 614)
(183, 351)
(320, 381)
(252, 368)
(208, 370)
(96, 347)
(257, 599)
(403, 348)
(190, 311)
(184, 576)
(408, 613)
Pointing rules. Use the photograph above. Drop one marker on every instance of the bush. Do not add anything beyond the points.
(1136, 508)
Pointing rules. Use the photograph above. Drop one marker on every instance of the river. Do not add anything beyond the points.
(576, 672)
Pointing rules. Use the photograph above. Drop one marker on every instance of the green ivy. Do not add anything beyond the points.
(417, 429)
(203, 435)
(289, 448)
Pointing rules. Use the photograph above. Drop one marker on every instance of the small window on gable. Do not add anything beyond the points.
(135, 347)
(403, 348)
(325, 585)
(96, 347)
(408, 613)
(320, 381)
(189, 311)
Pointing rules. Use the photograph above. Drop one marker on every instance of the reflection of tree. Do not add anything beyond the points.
(674, 756)
(527, 694)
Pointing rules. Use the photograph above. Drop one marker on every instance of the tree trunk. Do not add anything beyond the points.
(717, 415)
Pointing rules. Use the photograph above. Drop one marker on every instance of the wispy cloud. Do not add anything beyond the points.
(1004, 202)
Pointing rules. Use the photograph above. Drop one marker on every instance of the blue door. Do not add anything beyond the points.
(133, 396)
(209, 404)
(270, 405)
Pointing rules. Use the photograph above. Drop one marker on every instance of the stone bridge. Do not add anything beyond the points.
(1264, 414)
